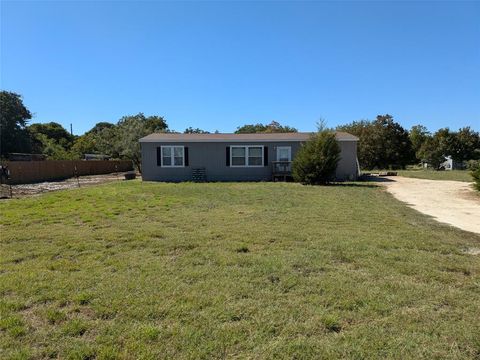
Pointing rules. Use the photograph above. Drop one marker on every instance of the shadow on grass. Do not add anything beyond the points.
(376, 179)
(362, 184)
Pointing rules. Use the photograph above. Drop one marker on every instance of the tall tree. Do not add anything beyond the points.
(85, 144)
(468, 144)
(52, 149)
(14, 118)
(383, 143)
(100, 127)
(129, 130)
(418, 135)
(273, 127)
(52, 140)
(432, 152)
(53, 131)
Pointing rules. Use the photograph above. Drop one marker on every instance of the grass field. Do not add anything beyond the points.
(456, 175)
(134, 270)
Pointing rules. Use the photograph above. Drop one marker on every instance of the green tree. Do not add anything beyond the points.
(191, 130)
(52, 149)
(98, 140)
(106, 141)
(250, 129)
(467, 144)
(52, 140)
(383, 143)
(461, 146)
(14, 116)
(418, 135)
(273, 127)
(52, 131)
(129, 130)
(99, 127)
(317, 159)
(432, 152)
(447, 143)
(85, 144)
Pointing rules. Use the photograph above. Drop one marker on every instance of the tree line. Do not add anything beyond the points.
(119, 140)
(383, 144)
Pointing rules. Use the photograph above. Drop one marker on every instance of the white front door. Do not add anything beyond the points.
(284, 153)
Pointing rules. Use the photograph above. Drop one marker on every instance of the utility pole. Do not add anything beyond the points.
(71, 129)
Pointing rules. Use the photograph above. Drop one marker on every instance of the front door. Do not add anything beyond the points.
(284, 153)
(284, 157)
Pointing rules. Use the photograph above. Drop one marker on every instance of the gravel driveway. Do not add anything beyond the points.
(451, 202)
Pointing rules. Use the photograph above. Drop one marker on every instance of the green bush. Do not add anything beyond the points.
(473, 165)
(476, 178)
(317, 159)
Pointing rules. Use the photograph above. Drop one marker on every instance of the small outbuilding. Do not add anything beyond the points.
(233, 157)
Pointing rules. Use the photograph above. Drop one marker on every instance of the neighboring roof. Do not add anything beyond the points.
(257, 137)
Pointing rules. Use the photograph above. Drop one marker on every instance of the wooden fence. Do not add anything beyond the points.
(25, 172)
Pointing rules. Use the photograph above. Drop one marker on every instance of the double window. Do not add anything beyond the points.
(242, 156)
(173, 156)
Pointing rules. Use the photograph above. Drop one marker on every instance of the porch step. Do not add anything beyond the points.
(199, 175)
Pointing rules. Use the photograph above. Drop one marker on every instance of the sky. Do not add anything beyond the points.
(219, 65)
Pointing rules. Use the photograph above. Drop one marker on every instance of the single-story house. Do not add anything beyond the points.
(233, 157)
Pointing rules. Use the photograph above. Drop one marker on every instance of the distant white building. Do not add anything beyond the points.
(450, 164)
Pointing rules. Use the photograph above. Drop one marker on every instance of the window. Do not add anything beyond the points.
(255, 156)
(246, 156)
(238, 156)
(173, 156)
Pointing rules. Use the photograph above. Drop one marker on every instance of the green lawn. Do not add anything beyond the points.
(456, 175)
(134, 270)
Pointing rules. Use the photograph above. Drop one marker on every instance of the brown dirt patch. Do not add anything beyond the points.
(451, 202)
(23, 190)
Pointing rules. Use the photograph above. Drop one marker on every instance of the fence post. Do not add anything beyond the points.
(76, 175)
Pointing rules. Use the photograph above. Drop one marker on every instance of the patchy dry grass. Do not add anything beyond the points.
(254, 270)
(455, 175)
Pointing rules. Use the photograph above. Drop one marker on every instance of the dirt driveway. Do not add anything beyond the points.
(18, 191)
(451, 202)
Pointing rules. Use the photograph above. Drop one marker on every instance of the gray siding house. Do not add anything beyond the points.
(233, 157)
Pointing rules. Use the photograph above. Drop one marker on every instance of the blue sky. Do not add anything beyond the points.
(218, 65)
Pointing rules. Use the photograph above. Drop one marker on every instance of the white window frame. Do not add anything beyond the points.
(172, 155)
(246, 147)
(289, 148)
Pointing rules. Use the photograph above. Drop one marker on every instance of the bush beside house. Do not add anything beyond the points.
(316, 161)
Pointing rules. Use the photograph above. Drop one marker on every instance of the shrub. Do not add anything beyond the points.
(473, 165)
(317, 159)
(476, 179)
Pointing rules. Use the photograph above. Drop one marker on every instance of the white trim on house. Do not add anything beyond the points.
(172, 155)
(246, 156)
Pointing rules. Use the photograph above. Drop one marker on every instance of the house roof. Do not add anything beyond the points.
(257, 137)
